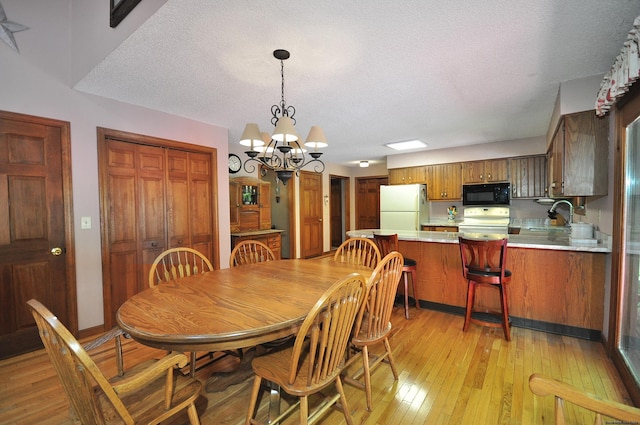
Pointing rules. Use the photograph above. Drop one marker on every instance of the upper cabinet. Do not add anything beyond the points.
(487, 171)
(444, 182)
(578, 156)
(249, 204)
(528, 176)
(409, 175)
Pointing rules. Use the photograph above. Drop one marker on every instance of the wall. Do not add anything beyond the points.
(29, 89)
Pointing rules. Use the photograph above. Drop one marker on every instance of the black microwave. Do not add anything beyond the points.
(486, 194)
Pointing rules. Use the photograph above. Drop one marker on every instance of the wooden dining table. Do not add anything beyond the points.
(231, 308)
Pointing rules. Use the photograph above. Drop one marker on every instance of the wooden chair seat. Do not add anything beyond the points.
(148, 393)
(388, 244)
(317, 357)
(484, 264)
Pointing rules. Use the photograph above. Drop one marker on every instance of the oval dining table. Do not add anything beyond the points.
(231, 308)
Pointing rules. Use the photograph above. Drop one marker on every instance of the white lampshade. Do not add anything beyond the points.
(284, 131)
(251, 136)
(316, 138)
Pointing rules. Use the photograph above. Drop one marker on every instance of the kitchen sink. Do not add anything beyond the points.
(548, 229)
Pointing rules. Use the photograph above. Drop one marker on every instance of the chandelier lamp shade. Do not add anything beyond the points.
(282, 151)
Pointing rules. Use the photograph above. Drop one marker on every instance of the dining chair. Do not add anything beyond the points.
(484, 264)
(142, 396)
(543, 386)
(361, 251)
(175, 263)
(389, 243)
(373, 325)
(250, 252)
(318, 354)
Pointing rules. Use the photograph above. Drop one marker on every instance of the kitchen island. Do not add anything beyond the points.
(557, 285)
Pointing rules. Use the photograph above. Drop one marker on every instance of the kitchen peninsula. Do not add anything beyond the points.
(557, 286)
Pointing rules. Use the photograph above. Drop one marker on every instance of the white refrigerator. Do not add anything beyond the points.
(403, 207)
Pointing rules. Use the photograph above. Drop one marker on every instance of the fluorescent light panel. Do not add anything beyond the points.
(406, 145)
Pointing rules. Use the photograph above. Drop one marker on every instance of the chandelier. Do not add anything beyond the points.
(281, 152)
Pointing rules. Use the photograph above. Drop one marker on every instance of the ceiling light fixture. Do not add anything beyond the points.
(281, 152)
(406, 145)
(364, 164)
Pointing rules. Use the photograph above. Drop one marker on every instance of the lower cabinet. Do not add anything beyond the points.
(272, 238)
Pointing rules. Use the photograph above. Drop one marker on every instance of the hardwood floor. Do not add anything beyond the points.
(446, 377)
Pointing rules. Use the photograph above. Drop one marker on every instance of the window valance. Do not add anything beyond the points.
(624, 72)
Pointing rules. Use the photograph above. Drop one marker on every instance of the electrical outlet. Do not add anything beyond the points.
(85, 223)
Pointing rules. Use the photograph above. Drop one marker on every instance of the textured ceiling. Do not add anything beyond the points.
(451, 73)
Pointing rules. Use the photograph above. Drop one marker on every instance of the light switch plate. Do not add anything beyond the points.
(85, 223)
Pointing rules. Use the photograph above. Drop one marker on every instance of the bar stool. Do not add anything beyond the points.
(484, 264)
(389, 243)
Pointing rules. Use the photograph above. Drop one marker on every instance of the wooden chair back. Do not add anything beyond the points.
(544, 386)
(78, 373)
(175, 263)
(321, 343)
(484, 261)
(250, 252)
(375, 319)
(362, 251)
(386, 243)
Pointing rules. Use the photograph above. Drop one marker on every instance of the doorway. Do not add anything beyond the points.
(282, 210)
(338, 209)
(37, 255)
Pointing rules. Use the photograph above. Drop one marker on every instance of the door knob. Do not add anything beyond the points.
(56, 251)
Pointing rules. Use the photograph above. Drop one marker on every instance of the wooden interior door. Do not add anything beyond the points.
(155, 194)
(36, 228)
(368, 201)
(311, 239)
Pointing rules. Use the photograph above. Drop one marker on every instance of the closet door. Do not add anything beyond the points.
(155, 195)
(133, 213)
(189, 201)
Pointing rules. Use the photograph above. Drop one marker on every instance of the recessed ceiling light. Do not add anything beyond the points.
(406, 145)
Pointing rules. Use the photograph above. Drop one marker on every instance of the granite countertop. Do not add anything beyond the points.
(553, 240)
(257, 232)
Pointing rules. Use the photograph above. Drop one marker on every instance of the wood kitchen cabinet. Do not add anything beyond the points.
(444, 182)
(487, 171)
(408, 175)
(249, 204)
(578, 156)
(528, 177)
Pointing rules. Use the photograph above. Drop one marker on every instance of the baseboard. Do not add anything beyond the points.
(519, 322)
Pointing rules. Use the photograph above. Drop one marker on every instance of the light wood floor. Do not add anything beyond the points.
(446, 377)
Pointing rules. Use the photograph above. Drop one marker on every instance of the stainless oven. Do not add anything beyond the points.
(486, 194)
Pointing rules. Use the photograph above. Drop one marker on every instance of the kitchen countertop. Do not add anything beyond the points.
(257, 232)
(540, 239)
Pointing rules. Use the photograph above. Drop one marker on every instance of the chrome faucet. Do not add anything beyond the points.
(552, 210)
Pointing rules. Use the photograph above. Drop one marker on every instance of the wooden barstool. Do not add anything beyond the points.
(484, 264)
(389, 243)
